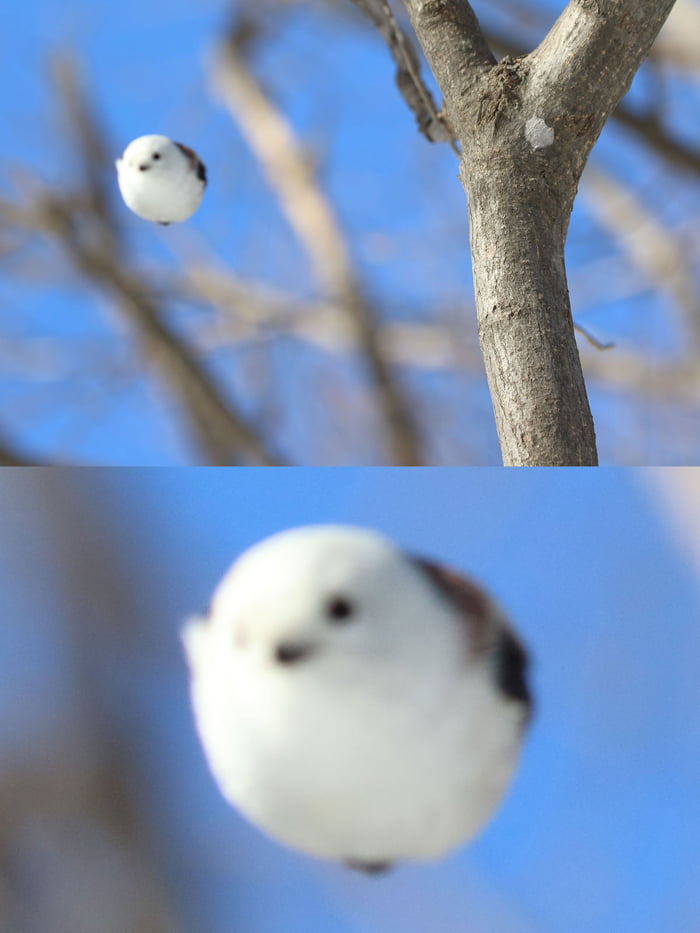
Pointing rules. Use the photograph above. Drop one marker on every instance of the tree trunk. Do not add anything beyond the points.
(526, 127)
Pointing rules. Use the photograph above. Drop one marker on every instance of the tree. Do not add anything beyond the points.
(317, 309)
(526, 126)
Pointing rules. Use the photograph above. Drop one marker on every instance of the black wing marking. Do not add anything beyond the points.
(512, 665)
(488, 631)
(197, 165)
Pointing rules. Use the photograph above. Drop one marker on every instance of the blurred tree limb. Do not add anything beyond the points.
(223, 435)
(86, 231)
(436, 347)
(289, 172)
(10, 456)
(81, 849)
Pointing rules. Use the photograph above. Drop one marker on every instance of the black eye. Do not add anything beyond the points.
(156, 155)
(339, 609)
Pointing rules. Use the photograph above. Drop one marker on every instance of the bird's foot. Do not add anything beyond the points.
(369, 868)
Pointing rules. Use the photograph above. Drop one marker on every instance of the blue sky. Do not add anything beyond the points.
(600, 829)
(68, 385)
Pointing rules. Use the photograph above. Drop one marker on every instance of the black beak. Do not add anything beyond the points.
(143, 168)
(291, 652)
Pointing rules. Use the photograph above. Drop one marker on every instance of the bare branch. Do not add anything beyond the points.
(655, 251)
(521, 186)
(90, 148)
(587, 61)
(431, 122)
(311, 217)
(254, 312)
(454, 46)
(86, 230)
(223, 434)
(11, 457)
(80, 847)
(648, 127)
(249, 311)
(594, 342)
(635, 373)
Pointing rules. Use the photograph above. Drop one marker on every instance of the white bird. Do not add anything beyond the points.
(161, 180)
(355, 702)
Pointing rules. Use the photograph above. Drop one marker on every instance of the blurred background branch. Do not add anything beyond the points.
(72, 795)
(84, 227)
(289, 172)
(9, 456)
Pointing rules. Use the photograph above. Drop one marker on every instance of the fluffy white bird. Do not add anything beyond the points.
(356, 702)
(161, 180)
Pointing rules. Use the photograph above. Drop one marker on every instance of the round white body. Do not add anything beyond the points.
(161, 180)
(387, 738)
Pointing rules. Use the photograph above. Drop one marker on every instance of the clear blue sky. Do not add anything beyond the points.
(146, 66)
(600, 830)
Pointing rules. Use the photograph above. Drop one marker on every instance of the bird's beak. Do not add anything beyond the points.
(292, 652)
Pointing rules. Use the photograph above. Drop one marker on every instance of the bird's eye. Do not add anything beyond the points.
(156, 155)
(339, 610)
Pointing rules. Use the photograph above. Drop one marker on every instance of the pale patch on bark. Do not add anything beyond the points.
(538, 134)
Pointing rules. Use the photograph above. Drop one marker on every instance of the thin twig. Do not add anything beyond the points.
(432, 123)
(594, 342)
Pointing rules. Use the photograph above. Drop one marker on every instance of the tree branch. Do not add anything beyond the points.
(652, 132)
(453, 43)
(648, 127)
(223, 434)
(526, 127)
(431, 122)
(657, 252)
(85, 228)
(11, 457)
(289, 173)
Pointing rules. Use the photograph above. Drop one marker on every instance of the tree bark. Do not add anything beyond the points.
(526, 127)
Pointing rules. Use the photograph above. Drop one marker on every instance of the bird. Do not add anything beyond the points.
(161, 180)
(354, 701)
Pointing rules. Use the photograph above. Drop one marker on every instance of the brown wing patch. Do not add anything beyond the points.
(190, 153)
(466, 596)
(488, 631)
(195, 162)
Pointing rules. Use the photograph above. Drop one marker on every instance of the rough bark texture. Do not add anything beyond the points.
(521, 182)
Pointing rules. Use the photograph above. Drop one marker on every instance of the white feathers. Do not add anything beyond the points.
(161, 180)
(341, 705)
